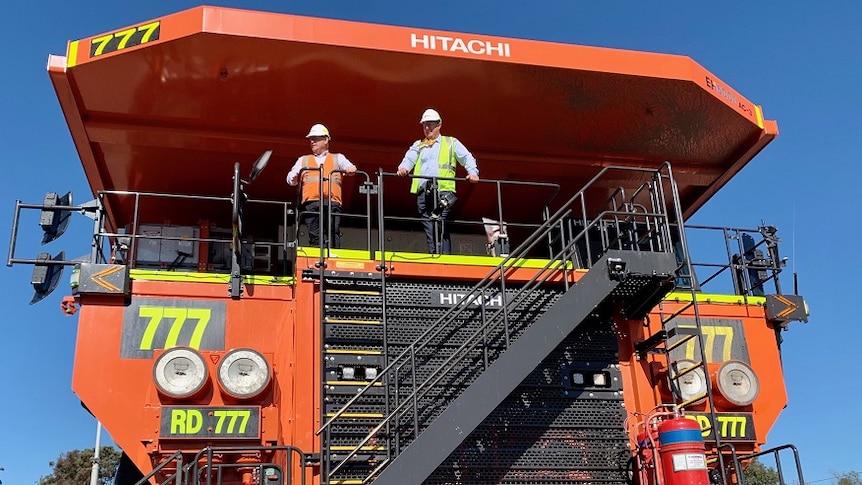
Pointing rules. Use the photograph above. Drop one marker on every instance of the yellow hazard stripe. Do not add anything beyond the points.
(758, 112)
(346, 481)
(712, 298)
(72, 54)
(156, 275)
(432, 258)
(350, 351)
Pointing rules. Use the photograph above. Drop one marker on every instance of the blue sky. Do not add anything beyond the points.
(800, 60)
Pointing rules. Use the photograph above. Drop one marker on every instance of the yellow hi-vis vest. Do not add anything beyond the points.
(311, 179)
(445, 166)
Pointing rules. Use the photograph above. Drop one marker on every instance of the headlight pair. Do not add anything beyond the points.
(734, 381)
(182, 373)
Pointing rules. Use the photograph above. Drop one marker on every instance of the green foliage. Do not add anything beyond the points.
(757, 473)
(74, 467)
(849, 478)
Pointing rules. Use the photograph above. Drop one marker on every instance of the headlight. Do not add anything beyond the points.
(370, 373)
(180, 372)
(348, 373)
(690, 384)
(737, 382)
(243, 373)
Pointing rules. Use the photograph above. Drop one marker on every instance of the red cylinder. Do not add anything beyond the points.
(682, 452)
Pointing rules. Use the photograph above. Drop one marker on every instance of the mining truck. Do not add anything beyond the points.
(580, 331)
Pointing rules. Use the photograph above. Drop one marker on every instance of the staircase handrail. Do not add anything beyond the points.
(554, 265)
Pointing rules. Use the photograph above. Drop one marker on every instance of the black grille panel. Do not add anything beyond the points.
(547, 431)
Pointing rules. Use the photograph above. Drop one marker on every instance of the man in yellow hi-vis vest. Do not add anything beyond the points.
(320, 156)
(436, 156)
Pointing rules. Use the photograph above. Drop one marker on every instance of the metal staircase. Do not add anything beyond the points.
(445, 376)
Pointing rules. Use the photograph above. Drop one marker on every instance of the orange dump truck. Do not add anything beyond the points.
(569, 338)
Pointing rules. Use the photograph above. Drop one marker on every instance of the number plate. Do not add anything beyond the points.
(209, 422)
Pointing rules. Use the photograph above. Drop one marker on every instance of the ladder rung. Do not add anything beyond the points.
(362, 448)
(692, 400)
(685, 330)
(680, 342)
(685, 371)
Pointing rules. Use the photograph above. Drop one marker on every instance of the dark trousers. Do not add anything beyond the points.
(437, 229)
(311, 218)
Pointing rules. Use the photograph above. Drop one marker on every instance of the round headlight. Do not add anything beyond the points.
(243, 373)
(180, 372)
(737, 382)
(690, 383)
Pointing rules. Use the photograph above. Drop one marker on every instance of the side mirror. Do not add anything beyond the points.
(259, 165)
(46, 275)
(54, 221)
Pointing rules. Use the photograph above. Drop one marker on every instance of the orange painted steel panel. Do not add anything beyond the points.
(643, 380)
(247, 90)
(121, 392)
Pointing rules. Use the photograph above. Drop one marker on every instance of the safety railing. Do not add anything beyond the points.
(328, 220)
(730, 466)
(208, 253)
(495, 326)
(776, 453)
(540, 209)
(216, 465)
(752, 263)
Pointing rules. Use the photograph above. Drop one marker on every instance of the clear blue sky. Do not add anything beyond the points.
(800, 60)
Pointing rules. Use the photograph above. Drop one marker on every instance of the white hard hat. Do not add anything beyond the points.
(318, 130)
(430, 115)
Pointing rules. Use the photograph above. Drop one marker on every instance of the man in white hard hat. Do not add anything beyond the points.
(436, 156)
(308, 169)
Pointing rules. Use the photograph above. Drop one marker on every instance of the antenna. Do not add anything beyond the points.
(793, 251)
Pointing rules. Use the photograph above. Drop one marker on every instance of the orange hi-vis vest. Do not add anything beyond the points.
(311, 179)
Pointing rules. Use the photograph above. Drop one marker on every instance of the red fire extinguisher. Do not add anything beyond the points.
(682, 452)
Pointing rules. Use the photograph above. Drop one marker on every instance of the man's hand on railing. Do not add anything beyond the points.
(472, 178)
(402, 172)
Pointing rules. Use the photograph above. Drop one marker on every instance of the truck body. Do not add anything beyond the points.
(571, 321)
